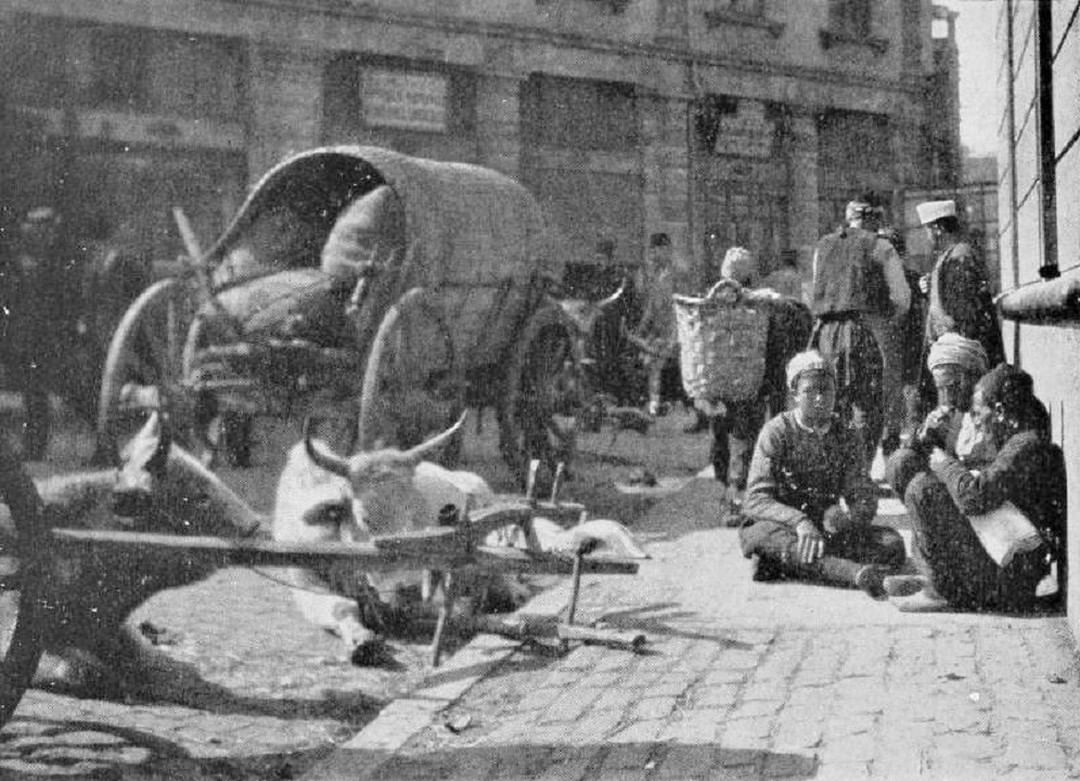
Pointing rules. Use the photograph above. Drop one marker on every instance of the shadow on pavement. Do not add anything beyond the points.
(652, 621)
(610, 760)
(39, 749)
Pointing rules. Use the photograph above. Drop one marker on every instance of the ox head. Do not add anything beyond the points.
(382, 476)
(584, 313)
(166, 489)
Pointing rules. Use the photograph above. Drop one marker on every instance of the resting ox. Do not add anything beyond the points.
(89, 648)
(327, 498)
(323, 497)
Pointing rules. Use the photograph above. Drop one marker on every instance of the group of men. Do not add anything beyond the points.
(982, 482)
(969, 452)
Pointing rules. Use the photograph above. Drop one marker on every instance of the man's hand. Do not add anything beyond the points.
(836, 519)
(924, 284)
(811, 543)
(938, 457)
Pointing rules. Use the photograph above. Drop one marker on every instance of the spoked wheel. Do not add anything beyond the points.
(23, 544)
(411, 387)
(544, 397)
(144, 366)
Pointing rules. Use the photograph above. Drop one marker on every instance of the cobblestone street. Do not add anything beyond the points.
(749, 680)
(739, 680)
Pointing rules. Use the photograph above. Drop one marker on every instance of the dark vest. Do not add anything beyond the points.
(848, 278)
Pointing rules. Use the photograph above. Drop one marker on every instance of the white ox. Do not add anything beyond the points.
(322, 497)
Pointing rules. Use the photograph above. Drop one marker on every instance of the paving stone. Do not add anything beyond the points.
(567, 708)
(639, 732)
(720, 676)
(789, 765)
(843, 771)
(753, 709)
(750, 733)
(1046, 755)
(715, 696)
(594, 727)
(686, 762)
(573, 768)
(628, 756)
(653, 708)
(616, 698)
(692, 727)
(771, 690)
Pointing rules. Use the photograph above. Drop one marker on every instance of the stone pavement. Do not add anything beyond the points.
(741, 680)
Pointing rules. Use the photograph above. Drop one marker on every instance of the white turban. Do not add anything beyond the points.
(952, 348)
(809, 361)
(741, 265)
(932, 211)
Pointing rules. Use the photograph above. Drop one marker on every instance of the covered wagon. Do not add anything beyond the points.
(360, 284)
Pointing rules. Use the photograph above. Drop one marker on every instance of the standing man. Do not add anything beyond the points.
(658, 337)
(959, 295)
(736, 424)
(35, 331)
(858, 281)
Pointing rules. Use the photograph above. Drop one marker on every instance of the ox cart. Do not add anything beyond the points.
(359, 284)
(42, 561)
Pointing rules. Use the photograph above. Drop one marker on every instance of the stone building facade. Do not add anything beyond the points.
(753, 120)
(1039, 218)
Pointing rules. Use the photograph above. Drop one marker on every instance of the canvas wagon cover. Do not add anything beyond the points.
(480, 235)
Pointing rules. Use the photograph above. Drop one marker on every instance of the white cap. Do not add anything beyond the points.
(934, 210)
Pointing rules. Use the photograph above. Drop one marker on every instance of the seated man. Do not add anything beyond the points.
(810, 503)
(965, 561)
(735, 425)
(956, 363)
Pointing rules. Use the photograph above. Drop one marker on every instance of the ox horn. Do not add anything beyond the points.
(606, 302)
(419, 451)
(331, 463)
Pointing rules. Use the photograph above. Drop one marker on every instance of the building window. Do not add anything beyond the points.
(118, 67)
(34, 56)
(580, 114)
(197, 76)
(850, 18)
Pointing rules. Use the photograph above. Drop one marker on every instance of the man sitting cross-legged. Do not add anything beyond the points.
(810, 502)
(985, 532)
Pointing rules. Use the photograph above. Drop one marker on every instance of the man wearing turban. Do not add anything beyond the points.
(984, 538)
(958, 290)
(955, 363)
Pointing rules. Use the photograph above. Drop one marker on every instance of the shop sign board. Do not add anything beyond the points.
(415, 101)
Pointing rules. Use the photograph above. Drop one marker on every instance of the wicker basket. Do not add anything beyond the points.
(722, 347)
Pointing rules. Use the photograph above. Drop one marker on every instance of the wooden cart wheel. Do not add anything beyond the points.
(411, 388)
(543, 400)
(23, 545)
(144, 366)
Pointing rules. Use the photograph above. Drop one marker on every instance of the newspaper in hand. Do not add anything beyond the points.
(1004, 532)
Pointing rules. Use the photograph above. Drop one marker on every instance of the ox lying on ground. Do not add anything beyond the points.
(322, 497)
(326, 498)
(89, 649)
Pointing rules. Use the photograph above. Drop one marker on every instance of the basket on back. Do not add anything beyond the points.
(722, 344)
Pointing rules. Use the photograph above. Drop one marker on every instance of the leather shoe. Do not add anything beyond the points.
(871, 579)
(905, 585)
